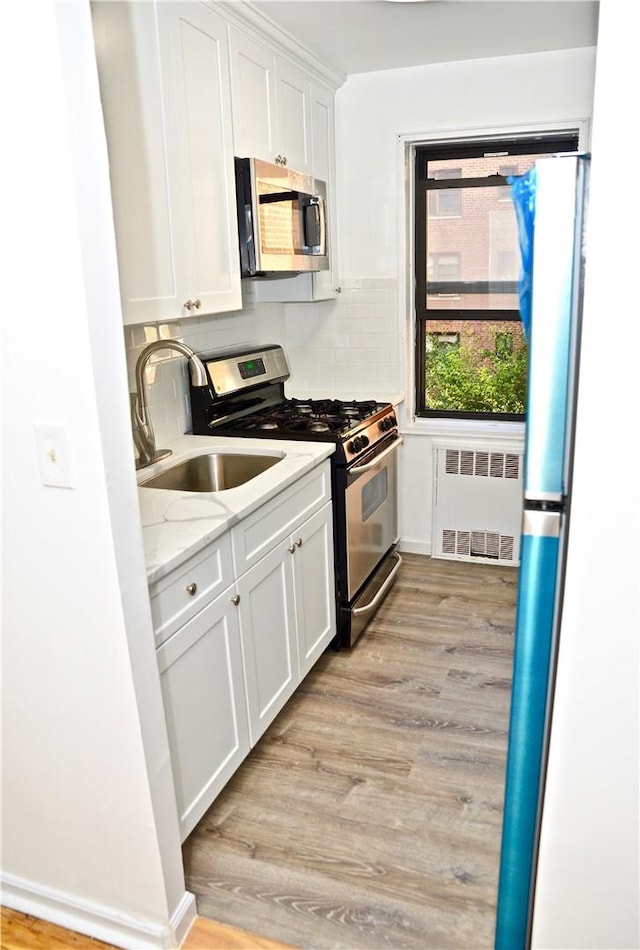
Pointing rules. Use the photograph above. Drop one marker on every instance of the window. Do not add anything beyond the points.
(442, 339)
(507, 171)
(443, 266)
(445, 203)
(504, 345)
(471, 354)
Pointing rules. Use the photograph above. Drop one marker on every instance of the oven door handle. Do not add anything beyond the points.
(358, 611)
(359, 469)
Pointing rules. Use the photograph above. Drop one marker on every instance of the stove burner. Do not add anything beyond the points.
(315, 418)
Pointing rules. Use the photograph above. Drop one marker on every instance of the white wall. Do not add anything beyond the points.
(588, 882)
(372, 111)
(90, 837)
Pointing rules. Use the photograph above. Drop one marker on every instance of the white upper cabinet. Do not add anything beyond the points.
(294, 116)
(271, 105)
(320, 285)
(253, 78)
(325, 284)
(322, 133)
(166, 95)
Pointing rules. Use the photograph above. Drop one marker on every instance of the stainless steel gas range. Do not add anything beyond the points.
(245, 396)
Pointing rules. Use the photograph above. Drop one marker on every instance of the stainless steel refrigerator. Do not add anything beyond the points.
(551, 208)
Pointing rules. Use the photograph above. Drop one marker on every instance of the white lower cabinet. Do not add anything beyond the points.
(287, 617)
(314, 587)
(268, 631)
(201, 673)
(227, 671)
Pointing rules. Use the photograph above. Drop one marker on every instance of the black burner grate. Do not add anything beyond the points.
(309, 415)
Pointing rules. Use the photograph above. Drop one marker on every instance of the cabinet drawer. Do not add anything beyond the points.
(186, 590)
(273, 522)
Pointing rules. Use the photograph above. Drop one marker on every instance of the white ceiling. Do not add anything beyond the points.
(357, 36)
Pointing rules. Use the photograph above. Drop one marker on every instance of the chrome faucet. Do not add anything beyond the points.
(143, 435)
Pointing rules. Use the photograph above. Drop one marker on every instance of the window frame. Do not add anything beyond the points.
(544, 142)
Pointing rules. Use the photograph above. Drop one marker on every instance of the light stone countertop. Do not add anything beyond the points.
(176, 525)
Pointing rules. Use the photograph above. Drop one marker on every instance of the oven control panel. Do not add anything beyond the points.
(231, 373)
(376, 429)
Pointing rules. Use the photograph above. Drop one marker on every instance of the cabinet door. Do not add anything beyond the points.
(326, 283)
(143, 162)
(314, 587)
(267, 627)
(294, 118)
(205, 707)
(198, 95)
(253, 86)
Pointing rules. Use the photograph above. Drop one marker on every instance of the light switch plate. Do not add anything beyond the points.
(54, 454)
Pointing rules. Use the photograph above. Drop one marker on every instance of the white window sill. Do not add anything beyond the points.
(480, 430)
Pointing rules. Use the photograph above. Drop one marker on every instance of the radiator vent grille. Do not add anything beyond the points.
(477, 503)
(483, 464)
(484, 544)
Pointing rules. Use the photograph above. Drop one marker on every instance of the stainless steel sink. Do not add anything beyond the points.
(212, 471)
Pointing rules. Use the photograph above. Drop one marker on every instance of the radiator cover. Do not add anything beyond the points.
(477, 504)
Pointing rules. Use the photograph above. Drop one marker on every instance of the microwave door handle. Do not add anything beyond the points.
(248, 250)
(312, 208)
(323, 227)
(273, 197)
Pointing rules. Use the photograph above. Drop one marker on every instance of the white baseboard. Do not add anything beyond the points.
(104, 923)
(183, 917)
(414, 546)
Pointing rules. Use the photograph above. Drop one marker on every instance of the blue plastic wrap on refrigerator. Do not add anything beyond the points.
(523, 193)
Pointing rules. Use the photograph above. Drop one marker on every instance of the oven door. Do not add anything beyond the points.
(371, 512)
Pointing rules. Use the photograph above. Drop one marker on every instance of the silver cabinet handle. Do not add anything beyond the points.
(235, 600)
(298, 542)
(192, 304)
(191, 589)
(280, 160)
(292, 549)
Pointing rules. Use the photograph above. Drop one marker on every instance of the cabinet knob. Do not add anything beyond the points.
(235, 600)
(280, 160)
(191, 589)
(292, 549)
(298, 542)
(192, 304)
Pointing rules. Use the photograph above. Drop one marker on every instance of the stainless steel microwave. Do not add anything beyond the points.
(282, 220)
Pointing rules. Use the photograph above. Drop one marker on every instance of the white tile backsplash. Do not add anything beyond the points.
(351, 342)
(348, 345)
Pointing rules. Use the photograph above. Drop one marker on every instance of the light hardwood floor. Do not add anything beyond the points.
(24, 932)
(369, 814)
